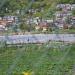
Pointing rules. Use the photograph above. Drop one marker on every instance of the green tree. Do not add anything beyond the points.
(24, 27)
(73, 12)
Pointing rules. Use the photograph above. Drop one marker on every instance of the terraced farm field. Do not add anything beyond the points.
(45, 59)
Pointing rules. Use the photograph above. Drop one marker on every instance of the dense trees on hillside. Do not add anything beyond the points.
(9, 6)
(66, 1)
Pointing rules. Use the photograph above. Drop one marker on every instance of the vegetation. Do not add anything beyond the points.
(73, 12)
(11, 6)
(54, 58)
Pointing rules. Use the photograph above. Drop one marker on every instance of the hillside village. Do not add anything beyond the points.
(37, 37)
(63, 18)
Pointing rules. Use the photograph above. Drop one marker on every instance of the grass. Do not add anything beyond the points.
(56, 31)
(39, 59)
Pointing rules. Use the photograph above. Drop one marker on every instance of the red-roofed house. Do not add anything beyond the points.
(42, 25)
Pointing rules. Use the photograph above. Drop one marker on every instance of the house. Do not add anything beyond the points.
(2, 25)
(67, 7)
(73, 7)
(10, 18)
(42, 25)
(67, 26)
(60, 6)
(59, 25)
(6, 21)
(60, 14)
(49, 21)
(37, 27)
(72, 20)
(64, 7)
(35, 20)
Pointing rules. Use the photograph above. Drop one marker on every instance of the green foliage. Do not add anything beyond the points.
(40, 59)
(13, 5)
(24, 27)
(50, 14)
(66, 1)
(73, 12)
(38, 14)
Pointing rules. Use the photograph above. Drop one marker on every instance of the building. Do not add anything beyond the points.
(42, 25)
(7, 21)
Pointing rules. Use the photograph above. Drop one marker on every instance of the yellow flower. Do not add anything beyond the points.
(26, 73)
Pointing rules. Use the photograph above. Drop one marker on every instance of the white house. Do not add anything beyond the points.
(60, 6)
(68, 6)
(2, 27)
(73, 7)
(49, 21)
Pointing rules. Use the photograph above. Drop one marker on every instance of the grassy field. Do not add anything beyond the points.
(47, 59)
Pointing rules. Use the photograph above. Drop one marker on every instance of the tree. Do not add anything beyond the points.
(66, 1)
(73, 12)
(24, 27)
